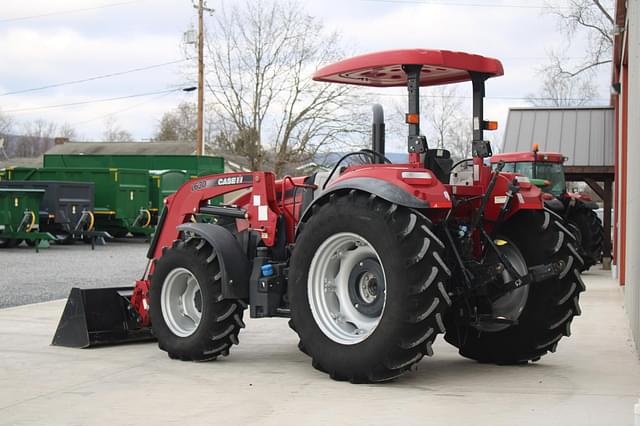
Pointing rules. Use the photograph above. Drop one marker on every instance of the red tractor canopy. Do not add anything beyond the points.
(384, 69)
(420, 67)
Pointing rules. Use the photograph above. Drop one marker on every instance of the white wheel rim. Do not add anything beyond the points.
(337, 312)
(181, 302)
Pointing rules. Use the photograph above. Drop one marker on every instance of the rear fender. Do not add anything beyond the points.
(577, 200)
(234, 265)
(529, 197)
(387, 183)
(554, 205)
(589, 204)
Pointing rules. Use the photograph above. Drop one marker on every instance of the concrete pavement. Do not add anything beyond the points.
(30, 277)
(593, 379)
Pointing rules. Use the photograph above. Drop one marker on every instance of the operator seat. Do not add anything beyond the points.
(439, 162)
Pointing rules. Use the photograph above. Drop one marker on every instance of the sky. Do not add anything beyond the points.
(44, 43)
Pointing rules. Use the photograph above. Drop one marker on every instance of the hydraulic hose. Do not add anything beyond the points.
(92, 221)
(33, 221)
(148, 213)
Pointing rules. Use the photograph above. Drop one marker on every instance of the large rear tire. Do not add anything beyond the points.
(367, 288)
(591, 235)
(550, 306)
(188, 316)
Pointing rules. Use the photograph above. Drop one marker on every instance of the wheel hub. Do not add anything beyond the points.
(368, 287)
(346, 288)
(181, 302)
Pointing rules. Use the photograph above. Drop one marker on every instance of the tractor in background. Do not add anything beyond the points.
(546, 170)
(370, 262)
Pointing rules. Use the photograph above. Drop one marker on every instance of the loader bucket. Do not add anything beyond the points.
(101, 316)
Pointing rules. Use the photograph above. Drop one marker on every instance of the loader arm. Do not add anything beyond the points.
(261, 212)
(258, 211)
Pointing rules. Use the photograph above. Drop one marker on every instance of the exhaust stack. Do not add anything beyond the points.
(378, 131)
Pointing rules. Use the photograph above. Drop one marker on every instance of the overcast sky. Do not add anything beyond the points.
(65, 44)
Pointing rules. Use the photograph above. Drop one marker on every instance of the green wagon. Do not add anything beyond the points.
(163, 183)
(121, 195)
(164, 170)
(194, 166)
(19, 210)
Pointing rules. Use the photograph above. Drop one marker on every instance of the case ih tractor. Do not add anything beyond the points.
(545, 169)
(370, 262)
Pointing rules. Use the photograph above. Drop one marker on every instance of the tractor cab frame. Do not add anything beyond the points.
(415, 68)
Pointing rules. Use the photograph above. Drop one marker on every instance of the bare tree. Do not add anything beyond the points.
(114, 133)
(595, 18)
(37, 137)
(568, 82)
(66, 131)
(262, 55)
(6, 123)
(179, 124)
(448, 124)
(442, 107)
(560, 89)
(459, 140)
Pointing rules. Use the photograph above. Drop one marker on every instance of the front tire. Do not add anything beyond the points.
(188, 316)
(550, 307)
(359, 333)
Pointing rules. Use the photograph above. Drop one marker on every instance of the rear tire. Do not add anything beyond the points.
(414, 281)
(551, 305)
(208, 325)
(592, 235)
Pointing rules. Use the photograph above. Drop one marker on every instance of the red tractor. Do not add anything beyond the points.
(370, 261)
(546, 170)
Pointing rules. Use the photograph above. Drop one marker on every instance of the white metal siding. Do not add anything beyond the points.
(585, 135)
(632, 276)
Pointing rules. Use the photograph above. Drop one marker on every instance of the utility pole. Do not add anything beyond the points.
(200, 127)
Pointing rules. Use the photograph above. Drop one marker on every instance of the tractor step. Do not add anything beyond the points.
(102, 316)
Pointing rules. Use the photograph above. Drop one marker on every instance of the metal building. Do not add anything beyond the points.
(584, 135)
(625, 85)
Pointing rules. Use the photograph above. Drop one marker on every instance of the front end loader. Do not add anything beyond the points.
(372, 260)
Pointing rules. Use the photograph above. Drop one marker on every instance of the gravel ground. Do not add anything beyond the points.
(30, 277)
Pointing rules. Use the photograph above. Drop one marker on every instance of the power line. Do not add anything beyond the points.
(457, 4)
(96, 101)
(69, 11)
(112, 113)
(97, 77)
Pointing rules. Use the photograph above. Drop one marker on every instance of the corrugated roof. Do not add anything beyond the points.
(157, 148)
(585, 135)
